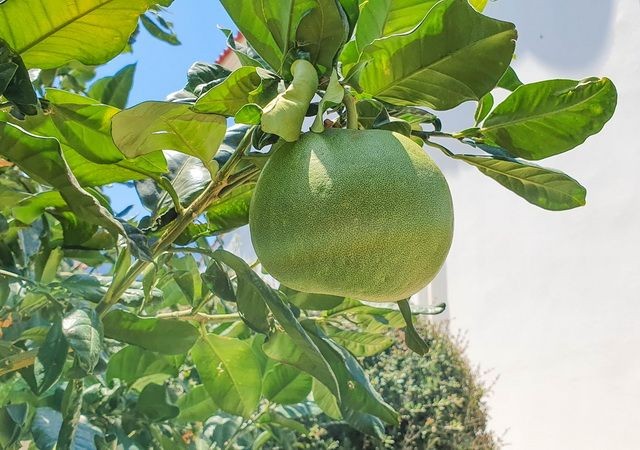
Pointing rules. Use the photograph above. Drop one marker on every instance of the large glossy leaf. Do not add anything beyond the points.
(314, 302)
(230, 372)
(167, 336)
(296, 347)
(50, 360)
(411, 336)
(83, 127)
(15, 84)
(196, 405)
(356, 391)
(359, 343)
(51, 33)
(217, 281)
(547, 188)
(152, 126)
(242, 86)
(231, 211)
(290, 350)
(269, 25)
(455, 54)
(284, 384)
(83, 331)
(380, 18)
(325, 400)
(285, 114)
(550, 117)
(41, 158)
(114, 90)
(322, 32)
(89, 173)
(29, 209)
(251, 292)
(154, 404)
(137, 367)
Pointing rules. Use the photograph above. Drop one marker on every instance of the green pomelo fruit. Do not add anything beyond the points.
(361, 214)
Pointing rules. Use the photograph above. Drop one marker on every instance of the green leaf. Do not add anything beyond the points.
(322, 32)
(186, 273)
(83, 127)
(413, 115)
(71, 406)
(41, 159)
(291, 349)
(91, 174)
(365, 423)
(15, 84)
(165, 34)
(484, 108)
(252, 292)
(285, 114)
(50, 360)
(326, 400)
(308, 301)
(153, 126)
(510, 80)
(29, 209)
(294, 348)
(269, 25)
(242, 86)
(380, 18)
(230, 372)
(10, 430)
(547, 188)
(7, 71)
(217, 281)
(52, 33)
(359, 343)
(411, 336)
(285, 385)
(352, 10)
(550, 117)
(154, 403)
(196, 405)
(83, 331)
(332, 97)
(114, 90)
(455, 54)
(137, 367)
(356, 392)
(479, 5)
(167, 336)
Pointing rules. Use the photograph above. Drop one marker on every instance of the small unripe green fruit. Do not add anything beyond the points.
(361, 214)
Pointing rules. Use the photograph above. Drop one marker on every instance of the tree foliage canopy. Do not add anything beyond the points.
(120, 332)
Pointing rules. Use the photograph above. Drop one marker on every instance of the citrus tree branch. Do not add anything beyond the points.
(189, 314)
(189, 214)
(18, 361)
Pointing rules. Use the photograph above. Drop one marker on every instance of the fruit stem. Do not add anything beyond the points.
(352, 112)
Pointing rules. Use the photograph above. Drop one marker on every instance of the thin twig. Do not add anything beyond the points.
(188, 314)
(18, 361)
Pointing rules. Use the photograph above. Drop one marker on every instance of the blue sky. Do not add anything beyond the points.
(162, 68)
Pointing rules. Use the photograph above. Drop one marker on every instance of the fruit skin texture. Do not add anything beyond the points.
(361, 214)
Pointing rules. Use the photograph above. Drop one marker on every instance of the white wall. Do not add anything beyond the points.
(551, 301)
